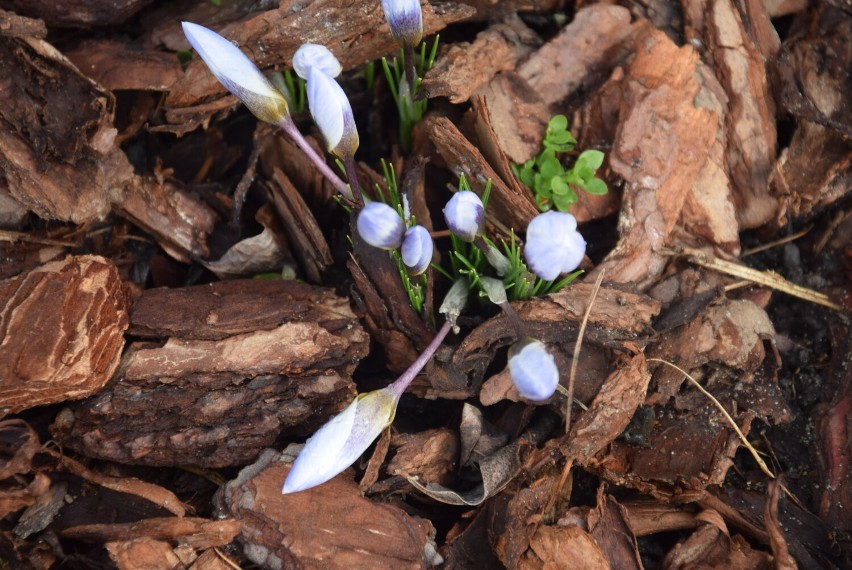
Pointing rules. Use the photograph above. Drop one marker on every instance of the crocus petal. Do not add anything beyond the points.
(310, 56)
(342, 440)
(237, 73)
(405, 19)
(533, 370)
(553, 246)
(465, 215)
(417, 249)
(380, 226)
(332, 113)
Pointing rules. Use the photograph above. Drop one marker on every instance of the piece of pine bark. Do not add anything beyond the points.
(56, 134)
(815, 170)
(717, 548)
(511, 207)
(581, 51)
(117, 67)
(430, 455)
(284, 531)
(245, 362)
(512, 115)
(79, 13)
(62, 329)
(308, 242)
(466, 66)
(179, 221)
(740, 66)
(664, 136)
(194, 531)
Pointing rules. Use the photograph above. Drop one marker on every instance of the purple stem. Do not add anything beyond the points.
(401, 383)
(289, 127)
(354, 185)
(410, 73)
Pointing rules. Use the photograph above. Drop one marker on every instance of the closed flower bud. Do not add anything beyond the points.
(332, 113)
(533, 370)
(405, 20)
(342, 440)
(416, 250)
(380, 226)
(553, 246)
(237, 73)
(310, 56)
(465, 215)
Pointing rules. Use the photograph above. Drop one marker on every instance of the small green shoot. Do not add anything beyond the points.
(550, 182)
(292, 87)
(410, 107)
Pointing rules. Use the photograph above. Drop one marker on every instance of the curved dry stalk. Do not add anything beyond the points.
(749, 446)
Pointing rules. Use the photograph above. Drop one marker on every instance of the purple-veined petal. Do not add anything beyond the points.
(417, 249)
(405, 19)
(237, 73)
(465, 215)
(332, 113)
(310, 56)
(553, 245)
(380, 226)
(341, 441)
(533, 370)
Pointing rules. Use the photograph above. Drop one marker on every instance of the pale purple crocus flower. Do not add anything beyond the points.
(417, 249)
(405, 19)
(346, 436)
(553, 245)
(465, 215)
(237, 73)
(533, 370)
(337, 444)
(380, 226)
(310, 56)
(332, 114)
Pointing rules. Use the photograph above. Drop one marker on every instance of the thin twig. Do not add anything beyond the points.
(767, 278)
(569, 462)
(576, 358)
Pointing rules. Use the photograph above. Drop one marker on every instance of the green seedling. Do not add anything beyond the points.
(552, 184)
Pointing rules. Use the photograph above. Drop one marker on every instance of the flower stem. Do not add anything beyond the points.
(289, 127)
(354, 185)
(513, 317)
(410, 72)
(401, 383)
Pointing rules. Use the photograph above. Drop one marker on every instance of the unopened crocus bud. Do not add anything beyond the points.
(310, 56)
(553, 246)
(380, 226)
(405, 20)
(416, 250)
(533, 370)
(332, 113)
(465, 215)
(342, 440)
(237, 73)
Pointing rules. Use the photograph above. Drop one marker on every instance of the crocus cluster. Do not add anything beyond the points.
(329, 105)
(381, 226)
